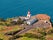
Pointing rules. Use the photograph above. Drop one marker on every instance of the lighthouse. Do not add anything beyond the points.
(29, 15)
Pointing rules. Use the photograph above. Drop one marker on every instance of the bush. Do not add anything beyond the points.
(7, 24)
(1, 23)
(30, 35)
(13, 23)
(11, 38)
(2, 20)
(38, 36)
(43, 33)
(1, 39)
(50, 31)
(42, 38)
(14, 37)
(20, 21)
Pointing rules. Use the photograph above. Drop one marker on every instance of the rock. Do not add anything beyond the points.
(42, 17)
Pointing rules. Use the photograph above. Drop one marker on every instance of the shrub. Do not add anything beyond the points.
(14, 37)
(50, 31)
(20, 21)
(1, 39)
(43, 33)
(1, 19)
(30, 35)
(42, 38)
(13, 23)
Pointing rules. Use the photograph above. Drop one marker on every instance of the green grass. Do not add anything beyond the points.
(26, 38)
(2, 28)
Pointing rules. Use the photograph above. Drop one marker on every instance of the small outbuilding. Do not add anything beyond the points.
(32, 21)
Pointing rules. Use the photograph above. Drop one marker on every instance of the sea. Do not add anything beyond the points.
(13, 8)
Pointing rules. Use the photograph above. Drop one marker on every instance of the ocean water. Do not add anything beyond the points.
(12, 8)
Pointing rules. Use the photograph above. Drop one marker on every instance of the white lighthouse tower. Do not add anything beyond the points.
(28, 15)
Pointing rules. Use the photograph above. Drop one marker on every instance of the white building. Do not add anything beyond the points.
(32, 21)
(28, 15)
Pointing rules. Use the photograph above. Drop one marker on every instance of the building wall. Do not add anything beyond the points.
(30, 22)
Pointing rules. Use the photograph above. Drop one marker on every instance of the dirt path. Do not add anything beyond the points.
(38, 24)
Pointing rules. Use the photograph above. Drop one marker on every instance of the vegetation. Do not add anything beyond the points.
(19, 21)
(2, 20)
(7, 26)
(1, 39)
(51, 22)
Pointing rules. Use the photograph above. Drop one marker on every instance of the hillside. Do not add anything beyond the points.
(8, 29)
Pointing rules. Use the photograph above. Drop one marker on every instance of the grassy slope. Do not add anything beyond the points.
(3, 30)
(26, 38)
